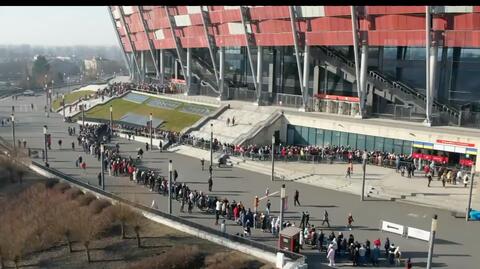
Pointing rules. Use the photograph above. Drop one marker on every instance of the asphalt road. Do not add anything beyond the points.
(455, 246)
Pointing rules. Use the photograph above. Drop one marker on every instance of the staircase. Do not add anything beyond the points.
(383, 86)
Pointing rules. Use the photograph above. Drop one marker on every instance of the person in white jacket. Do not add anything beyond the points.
(331, 255)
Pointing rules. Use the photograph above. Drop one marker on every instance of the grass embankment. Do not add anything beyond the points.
(70, 98)
(175, 120)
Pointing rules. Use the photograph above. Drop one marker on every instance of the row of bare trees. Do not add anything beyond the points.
(46, 215)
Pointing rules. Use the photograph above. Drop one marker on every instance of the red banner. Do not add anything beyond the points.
(435, 158)
(455, 143)
(178, 81)
(466, 162)
(338, 97)
(417, 155)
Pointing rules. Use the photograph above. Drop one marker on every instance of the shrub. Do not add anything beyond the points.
(61, 187)
(73, 193)
(96, 206)
(179, 257)
(50, 183)
(228, 260)
(84, 200)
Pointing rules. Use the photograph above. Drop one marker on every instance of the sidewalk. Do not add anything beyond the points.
(381, 183)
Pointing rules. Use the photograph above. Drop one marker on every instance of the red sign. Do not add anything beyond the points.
(337, 97)
(466, 162)
(178, 81)
(455, 143)
(417, 155)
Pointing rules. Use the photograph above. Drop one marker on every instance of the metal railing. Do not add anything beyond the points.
(241, 93)
(234, 238)
(289, 100)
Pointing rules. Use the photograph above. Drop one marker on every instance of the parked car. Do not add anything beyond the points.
(28, 93)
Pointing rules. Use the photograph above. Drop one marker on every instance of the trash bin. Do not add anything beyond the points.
(290, 239)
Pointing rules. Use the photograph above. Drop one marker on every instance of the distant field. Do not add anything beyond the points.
(175, 119)
(70, 98)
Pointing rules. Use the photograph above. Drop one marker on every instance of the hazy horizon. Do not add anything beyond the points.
(56, 26)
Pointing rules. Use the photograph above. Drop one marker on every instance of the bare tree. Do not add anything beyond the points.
(123, 214)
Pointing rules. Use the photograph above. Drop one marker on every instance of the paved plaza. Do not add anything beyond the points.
(456, 239)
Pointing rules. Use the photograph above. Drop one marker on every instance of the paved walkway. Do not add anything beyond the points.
(455, 245)
(381, 182)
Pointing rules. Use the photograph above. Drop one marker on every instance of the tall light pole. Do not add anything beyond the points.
(63, 102)
(46, 96)
(83, 114)
(13, 132)
(151, 131)
(433, 231)
(28, 82)
(51, 95)
(469, 205)
(282, 205)
(364, 167)
(102, 160)
(111, 120)
(45, 129)
(170, 171)
(273, 157)
(211, 145)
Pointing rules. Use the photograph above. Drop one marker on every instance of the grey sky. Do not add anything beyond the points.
(62, 26)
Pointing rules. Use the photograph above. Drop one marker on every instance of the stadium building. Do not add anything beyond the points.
(390, 78)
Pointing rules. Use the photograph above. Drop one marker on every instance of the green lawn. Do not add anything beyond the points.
(174, 119)
(70, 98)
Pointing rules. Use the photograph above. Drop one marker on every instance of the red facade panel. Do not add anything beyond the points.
(269, 12)
(331, 24)
(230, 41)
(194, 42)
(337, 11)
(338, 38)
(399, 22)
(273, 26)
(396, 38)
(381, 10)
(476, 8)
(196, 19)
(466, 21)
(193, 31)
(462, 38)
(279, 39)
(164, 43)
(230, 15)
(222, 29)
(441, 23)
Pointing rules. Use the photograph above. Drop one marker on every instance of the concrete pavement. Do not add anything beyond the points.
(455, 246)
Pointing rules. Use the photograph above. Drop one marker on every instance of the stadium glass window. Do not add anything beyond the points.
(327, 138)
(297, 140)
(361, 142)
(407, 147)
(370, 142)
(304, 136)
(379, 141)
(320, 133)
(352, 140)
(398, 146)
(388, 145)
(343, 139)
(312, 136)
(336, 138)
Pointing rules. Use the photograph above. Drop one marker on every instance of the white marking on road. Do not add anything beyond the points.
(413, 215)
(271, 194)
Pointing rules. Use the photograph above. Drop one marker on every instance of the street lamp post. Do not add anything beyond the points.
(111, 120)
(63, 102)
(364, 167)
(83, 114)
(170, 171)
(45, 129)
(211, 145)
(151, 131)
(273, 157)
(13, 131)
(282, 205)
(433, 231)
(469, 205)
(51, 95)
(102, 160)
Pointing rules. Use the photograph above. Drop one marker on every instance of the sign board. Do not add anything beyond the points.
(418, 234)
(455, 143)
(392, 227)
(337, 97)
